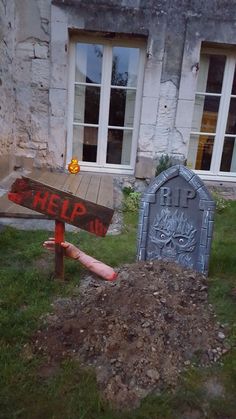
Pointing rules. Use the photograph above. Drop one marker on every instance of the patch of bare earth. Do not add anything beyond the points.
(139, 332)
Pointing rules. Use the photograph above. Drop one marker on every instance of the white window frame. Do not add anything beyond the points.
(101, 164)
(214, 173)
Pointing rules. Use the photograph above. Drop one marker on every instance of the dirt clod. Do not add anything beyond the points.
(139, 332)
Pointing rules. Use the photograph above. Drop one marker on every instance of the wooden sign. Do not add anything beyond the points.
(61, 206)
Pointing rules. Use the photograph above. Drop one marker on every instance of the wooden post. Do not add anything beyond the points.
(59, 251)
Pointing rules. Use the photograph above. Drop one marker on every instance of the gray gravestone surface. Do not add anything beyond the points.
(176, 220)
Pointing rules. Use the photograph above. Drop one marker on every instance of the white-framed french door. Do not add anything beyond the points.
(212, 147)
(105, 91)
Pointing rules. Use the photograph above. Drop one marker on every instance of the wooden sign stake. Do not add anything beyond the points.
(59, 251)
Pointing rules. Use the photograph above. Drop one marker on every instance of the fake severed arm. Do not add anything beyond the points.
(73, 252)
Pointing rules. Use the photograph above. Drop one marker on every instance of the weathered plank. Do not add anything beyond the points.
(67, 183)
(92, 191)
(54, 179)
(105, 195)
(83, 187)
(61, 205)
(74, 184)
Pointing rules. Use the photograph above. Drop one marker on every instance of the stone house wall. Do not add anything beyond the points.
(34, 45)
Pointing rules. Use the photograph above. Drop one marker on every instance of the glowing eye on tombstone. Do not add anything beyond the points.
(74, 166)
(181, 240)
(160, 235)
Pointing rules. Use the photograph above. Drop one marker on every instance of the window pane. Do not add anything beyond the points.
(200, 152)
(124, 66)
(86, 108)
(85, 143)
(228, 160)
(119, 146)
(88, 63)
(234, 84)
(205, 113)
(231, 122)
(210, 77)
(122, 103)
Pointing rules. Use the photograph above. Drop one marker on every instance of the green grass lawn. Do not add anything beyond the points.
(27, 290)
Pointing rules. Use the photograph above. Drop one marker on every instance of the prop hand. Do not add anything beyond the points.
(71, 251)
(92, 264)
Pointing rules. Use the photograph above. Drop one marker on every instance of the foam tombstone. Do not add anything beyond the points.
(176, 220)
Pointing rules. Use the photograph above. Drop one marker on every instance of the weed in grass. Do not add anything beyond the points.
(131, 201)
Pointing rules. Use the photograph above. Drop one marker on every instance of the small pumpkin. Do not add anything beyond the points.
(74, 166)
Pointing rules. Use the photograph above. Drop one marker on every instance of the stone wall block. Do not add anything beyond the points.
(32, 146)
(58, 15)
(189, 74)
(23, 73)
(23, 103)
(166, 111)
(29, 153)
(57, 139)
(152, 79)
(40, 73)
(161, 139)
(40, 121)
(59, 76)
(180, 139)
(39, 101)
(59, 52)
(25, 50)
(58, 102)
(59, 32)
(146, 135)
(45, 9)
(42, 153)
(41, 51)
(149, 110)
(144, 166)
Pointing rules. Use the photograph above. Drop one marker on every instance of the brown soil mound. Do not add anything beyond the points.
(139, 332)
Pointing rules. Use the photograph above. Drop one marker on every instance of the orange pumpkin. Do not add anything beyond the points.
(74, 166)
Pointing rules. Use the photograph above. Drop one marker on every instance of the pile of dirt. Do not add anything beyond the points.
(139, 332)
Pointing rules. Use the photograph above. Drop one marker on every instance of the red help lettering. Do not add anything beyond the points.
(78, 210)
